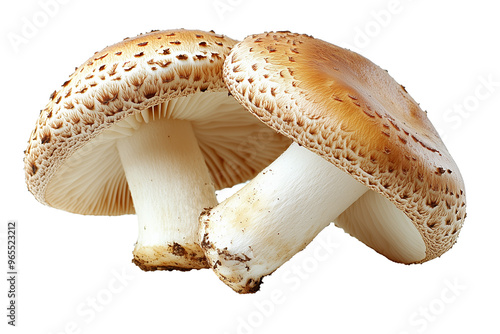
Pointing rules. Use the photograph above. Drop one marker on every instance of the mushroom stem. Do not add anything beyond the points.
(170, 186)
(256, 230)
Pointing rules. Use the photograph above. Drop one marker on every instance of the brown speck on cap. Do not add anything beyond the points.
(363, 110)
(101, 56)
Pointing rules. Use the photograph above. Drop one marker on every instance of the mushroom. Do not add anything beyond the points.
(147, 126)
(365, 156)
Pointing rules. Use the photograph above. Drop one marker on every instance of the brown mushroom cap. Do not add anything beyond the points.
(70, 165)
(348, 110)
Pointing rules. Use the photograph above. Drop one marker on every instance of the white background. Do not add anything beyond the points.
(75, 272)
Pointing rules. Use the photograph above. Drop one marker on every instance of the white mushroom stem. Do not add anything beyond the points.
(274, 216)
(170, 186)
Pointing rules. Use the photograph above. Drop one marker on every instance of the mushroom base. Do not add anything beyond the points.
(172, 257)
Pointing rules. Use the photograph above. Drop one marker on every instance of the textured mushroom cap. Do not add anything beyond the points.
(354, 114)
(123, 80)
